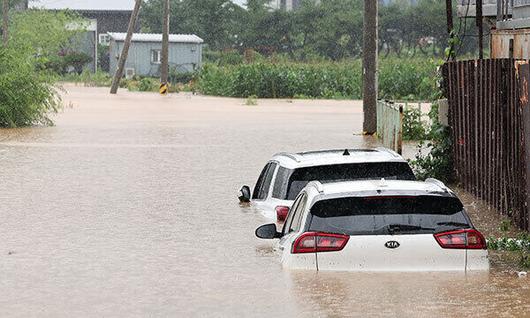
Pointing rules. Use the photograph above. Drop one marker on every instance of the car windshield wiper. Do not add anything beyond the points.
(393, 228)
(453, 224)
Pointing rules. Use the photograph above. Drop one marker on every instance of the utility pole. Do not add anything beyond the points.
(449, 14)
(480, 27)
(370, 85)
(165, 51)
(5, 27)
(125, 50)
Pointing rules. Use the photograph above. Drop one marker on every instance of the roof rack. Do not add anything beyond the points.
(334, 150)
(318, 185)
(392, 152)
(292, 156)
(437, 183)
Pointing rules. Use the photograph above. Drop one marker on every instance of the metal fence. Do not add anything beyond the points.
(390, 125)
(488, 114)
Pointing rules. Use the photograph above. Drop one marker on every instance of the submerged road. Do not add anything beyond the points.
(127, 207)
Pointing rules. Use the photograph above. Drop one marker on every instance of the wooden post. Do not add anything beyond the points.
(370, 67)
(480, 27)
(449, 17)
(5, 27)
(164, 71)
(125, 50)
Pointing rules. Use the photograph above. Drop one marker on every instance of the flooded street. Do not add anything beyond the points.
(128, 207)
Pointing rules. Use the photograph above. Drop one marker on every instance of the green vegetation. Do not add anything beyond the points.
(414, 128)
(435, 155)
(519, 245)
(330, 29)
(88, 78)
(51, 37)
(27, 92)
(27, 96)
(251, 101)
(286, 79)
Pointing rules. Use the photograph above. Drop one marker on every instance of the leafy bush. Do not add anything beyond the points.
(26, 96)
(179, 77)
(61, 63)
(27, 92)
(223, 58)
(317, 80)
(145, 85)
(438, 161)
(413, 125)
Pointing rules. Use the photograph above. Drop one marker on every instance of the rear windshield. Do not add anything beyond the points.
(290, 182)
(388, 215)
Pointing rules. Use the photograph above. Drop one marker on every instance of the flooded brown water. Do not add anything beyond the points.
(127, 207)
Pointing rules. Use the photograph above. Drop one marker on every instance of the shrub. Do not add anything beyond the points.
(27, 96)
(413, 125)
(438, 161)
(145, 85)
(399, 79)
(62, 63)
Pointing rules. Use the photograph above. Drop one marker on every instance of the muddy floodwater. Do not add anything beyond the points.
(128, 208)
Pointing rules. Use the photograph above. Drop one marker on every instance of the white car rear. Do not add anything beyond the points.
(379, 226)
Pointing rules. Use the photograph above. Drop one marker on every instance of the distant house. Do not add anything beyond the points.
(144, 58)
(104, 16)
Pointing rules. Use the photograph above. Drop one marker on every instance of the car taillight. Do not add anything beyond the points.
(282, 212)
(312, 242)
(461, 239)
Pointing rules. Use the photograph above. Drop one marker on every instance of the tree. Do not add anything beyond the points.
(5, 22)
(35, 36)
(45, 33)
(213, 20)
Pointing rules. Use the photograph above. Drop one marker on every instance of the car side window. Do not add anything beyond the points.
(259, 183)
(263, 185)
(290, 217)
(298, 214)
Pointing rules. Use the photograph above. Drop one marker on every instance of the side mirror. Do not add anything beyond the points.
(244, 194)
(268, 232)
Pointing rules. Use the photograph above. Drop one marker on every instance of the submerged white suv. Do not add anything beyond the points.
(286, 174)
(379, 225)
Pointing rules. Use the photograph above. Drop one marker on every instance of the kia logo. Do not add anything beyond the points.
(392, 244)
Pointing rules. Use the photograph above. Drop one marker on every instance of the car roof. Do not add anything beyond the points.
(378, 187)
(336, 156)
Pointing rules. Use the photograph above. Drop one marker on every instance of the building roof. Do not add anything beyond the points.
(332, 157)
(152, 37)
(83, 5)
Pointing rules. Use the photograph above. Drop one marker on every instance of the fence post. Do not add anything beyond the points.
(524, 79)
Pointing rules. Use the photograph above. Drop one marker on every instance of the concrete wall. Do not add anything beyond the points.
(185, 57)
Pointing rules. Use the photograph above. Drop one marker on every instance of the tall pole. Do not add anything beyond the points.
(370, 39)
(165, 48)
(125, 50)
(5, 26)
(449, 14)
(480, 27)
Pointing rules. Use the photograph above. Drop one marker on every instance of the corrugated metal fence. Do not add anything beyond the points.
(486, 103)
(390, 125)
